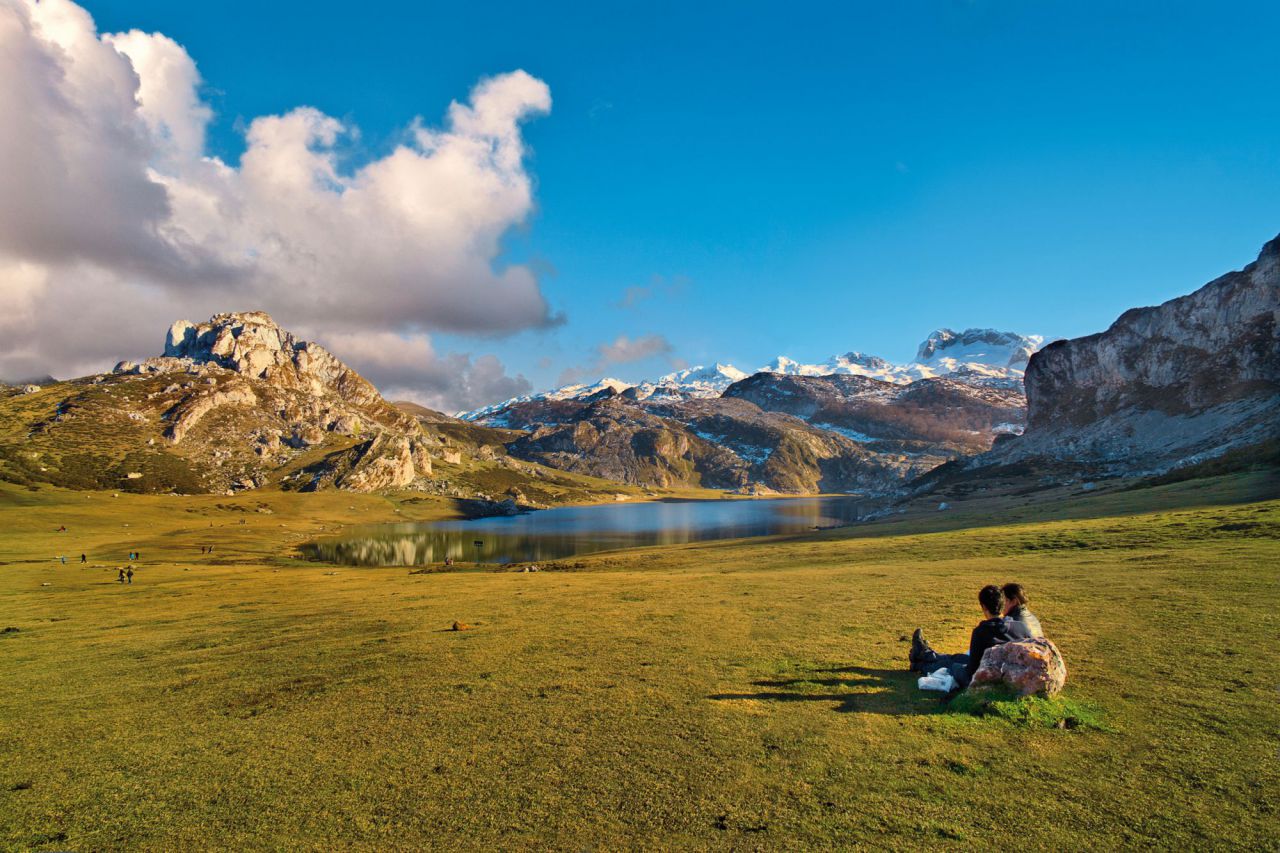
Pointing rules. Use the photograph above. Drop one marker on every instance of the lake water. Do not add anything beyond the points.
(555, 534)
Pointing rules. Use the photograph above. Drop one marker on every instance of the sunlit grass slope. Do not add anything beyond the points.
(744, 694)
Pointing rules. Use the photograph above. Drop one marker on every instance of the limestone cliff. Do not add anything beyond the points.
(1164, 386)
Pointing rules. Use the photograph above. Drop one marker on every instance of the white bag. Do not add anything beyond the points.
(940, 681)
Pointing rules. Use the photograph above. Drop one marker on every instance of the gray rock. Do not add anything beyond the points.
(1162, 387)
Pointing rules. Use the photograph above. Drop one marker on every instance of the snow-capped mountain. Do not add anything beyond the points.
(977, 356)
(983, 355)
(689, 384)
(693, 383)
(978, 346)
(579, 391)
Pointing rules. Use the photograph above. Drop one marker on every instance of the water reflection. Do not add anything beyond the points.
(569, 531)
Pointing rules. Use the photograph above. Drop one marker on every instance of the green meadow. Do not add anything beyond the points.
(743, 694)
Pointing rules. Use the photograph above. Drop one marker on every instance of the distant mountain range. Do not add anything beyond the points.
(852, 423)
(976, 356)
(237, 403)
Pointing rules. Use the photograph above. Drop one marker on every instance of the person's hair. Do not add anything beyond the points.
(1015, 593)
(991, 599)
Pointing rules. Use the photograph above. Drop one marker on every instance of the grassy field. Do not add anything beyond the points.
(742, 694)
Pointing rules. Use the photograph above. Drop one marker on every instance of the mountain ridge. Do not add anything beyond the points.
(980, 356)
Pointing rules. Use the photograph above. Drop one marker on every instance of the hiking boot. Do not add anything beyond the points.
(919, 646)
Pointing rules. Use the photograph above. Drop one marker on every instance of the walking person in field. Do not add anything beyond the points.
(1016, 608)
(120, 572)
(129, 574)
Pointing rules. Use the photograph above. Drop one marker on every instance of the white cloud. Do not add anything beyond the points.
(406, 367)
(621, 350)
(114, 220)
(624, 349)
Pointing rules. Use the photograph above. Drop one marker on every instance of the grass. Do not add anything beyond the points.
(1057, 712)
(740, 694)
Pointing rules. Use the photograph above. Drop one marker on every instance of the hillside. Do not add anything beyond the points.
(712, 443)
(237, 404)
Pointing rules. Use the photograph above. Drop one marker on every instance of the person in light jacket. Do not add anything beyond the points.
(1015, 608)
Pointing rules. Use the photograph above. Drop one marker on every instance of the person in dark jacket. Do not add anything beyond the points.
(1015, 608)
(994, 630)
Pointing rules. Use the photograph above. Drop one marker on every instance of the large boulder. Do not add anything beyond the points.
(1028, 667)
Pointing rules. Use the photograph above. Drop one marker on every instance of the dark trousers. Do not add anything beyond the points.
(958, 665)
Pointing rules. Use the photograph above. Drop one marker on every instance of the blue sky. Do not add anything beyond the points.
(805, 179)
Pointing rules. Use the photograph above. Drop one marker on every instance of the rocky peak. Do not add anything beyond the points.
(251, 344)
(862, 359)
(288, 395)
(980, 346)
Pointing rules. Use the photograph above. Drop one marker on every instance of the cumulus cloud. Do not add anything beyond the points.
(113, 212)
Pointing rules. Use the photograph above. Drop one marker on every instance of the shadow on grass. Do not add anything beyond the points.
(893, 692)
(854, 690)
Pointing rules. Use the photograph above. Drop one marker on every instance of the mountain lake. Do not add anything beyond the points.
(555, 534)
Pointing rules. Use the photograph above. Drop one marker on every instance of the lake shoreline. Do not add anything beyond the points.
(572, 531)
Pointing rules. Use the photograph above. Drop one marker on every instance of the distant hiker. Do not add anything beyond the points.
(129, 574)
(994, 630)
(82, 558)
(210, 549)
(63, 558)
(121, 571)
(201, 549)
(1016, 608)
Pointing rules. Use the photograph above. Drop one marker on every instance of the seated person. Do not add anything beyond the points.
(993, 630)
(1016, 608)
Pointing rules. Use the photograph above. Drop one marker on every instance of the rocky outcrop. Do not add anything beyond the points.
(190, 411)
(1026, 667)
(238, 402)
(385, 462)
(1164, 386)
(251, 345)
